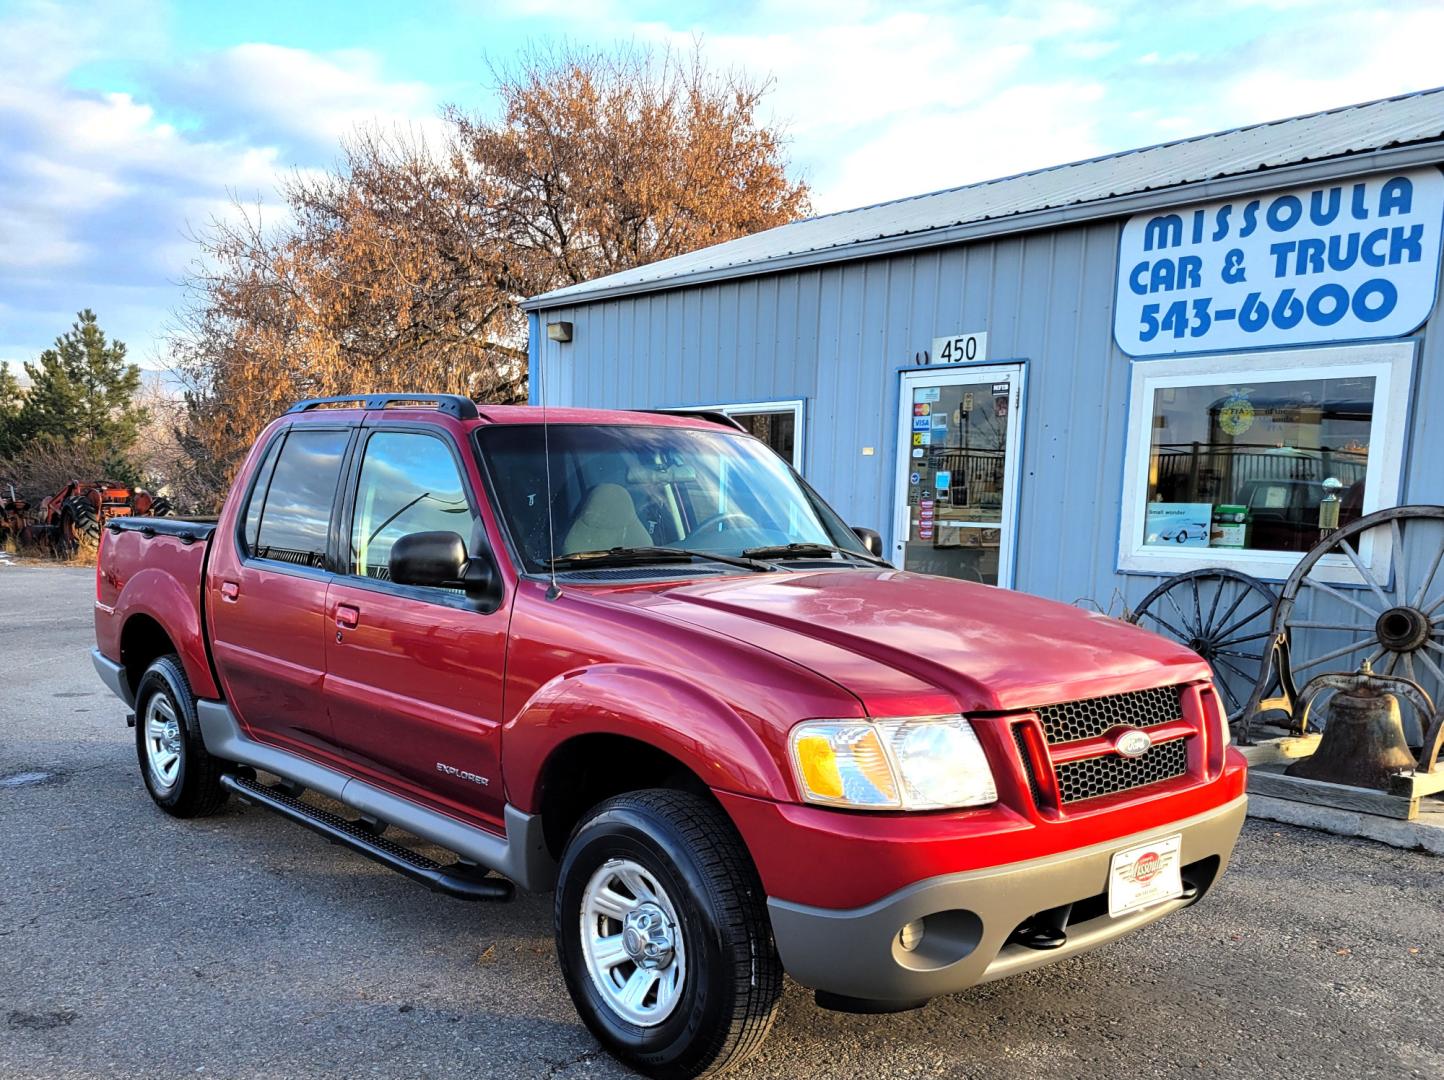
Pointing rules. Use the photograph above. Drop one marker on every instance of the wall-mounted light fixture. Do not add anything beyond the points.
(559, 331)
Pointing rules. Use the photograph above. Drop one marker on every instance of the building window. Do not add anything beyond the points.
(777, 423)
(1246, 460)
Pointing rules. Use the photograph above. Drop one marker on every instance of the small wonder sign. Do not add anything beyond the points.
(1341, 261)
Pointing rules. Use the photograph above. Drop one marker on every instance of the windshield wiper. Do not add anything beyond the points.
(792, 551)
(622, 556)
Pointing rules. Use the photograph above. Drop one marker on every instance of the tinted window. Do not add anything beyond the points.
(258, 491)
(409, 483)
(296, 515)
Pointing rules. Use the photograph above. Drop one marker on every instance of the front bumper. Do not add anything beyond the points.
(968, 917)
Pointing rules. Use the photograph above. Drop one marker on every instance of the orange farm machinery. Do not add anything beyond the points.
(73, 517)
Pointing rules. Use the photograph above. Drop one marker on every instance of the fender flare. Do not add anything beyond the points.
(725, 749)
(157, 594)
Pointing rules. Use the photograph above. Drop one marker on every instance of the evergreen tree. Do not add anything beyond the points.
(9, 411)
(82, 390)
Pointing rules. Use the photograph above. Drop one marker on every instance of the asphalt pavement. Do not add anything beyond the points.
(135, 945)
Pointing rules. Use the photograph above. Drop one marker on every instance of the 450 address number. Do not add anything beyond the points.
(1375, 299)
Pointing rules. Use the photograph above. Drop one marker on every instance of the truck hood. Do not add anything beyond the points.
(911, 644)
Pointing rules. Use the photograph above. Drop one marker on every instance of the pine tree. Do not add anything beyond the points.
(82, 390)
(10, 400)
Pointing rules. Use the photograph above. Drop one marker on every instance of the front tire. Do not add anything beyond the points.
(182, 778)
(663, 936)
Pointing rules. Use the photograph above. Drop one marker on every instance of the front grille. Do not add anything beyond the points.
(1027, 764)
(1092, 717)
(1111, 773)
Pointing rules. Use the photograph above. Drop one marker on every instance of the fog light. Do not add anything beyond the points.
(911, 935)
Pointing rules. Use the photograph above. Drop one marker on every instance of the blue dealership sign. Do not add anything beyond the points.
(1340, 261)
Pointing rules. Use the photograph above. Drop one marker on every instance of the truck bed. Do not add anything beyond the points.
(163, 561)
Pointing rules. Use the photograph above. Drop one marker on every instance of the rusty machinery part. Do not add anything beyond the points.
(1222, 615)
(1372, 590)
(1364, 744)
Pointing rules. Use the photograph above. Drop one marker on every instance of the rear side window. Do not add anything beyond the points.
(295, 513)
(409, 483)
(258, 492)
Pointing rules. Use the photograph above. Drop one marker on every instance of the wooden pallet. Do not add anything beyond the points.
(1401, 801)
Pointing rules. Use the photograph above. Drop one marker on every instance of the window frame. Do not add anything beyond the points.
(1390, 364)
(796, 406)
(351, 479)
(278, 441)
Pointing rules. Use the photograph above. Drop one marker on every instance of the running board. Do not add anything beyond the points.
(461, 880)
(521, 854)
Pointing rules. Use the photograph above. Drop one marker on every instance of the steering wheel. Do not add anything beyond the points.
(720, 523)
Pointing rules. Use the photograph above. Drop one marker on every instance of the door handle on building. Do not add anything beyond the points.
(347, 617)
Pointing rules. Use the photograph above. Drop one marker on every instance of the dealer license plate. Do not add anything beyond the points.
(1144, 875)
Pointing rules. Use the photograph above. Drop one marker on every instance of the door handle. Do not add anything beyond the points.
(230, 591)
(347, 617)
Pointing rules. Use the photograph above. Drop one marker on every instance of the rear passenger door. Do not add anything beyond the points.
(414, 674)
(267, 592)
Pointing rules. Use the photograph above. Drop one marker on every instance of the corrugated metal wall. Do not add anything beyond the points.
(837, 336)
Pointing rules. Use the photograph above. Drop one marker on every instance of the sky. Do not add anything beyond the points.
(127, 125)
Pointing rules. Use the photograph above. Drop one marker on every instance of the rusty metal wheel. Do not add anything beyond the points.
(1222, 615)
(1372, 590)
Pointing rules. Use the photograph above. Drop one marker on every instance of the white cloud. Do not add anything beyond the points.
(266, 91)
(99, 191)
(1019, 129)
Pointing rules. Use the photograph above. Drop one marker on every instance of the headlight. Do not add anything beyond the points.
(922, 763)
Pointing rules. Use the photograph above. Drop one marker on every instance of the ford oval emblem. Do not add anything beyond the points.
(1133, 743)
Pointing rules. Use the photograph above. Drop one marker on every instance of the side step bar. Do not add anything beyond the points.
(519, 854)
(463, 881)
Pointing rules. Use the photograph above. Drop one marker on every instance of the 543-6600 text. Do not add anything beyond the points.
(1324, 306)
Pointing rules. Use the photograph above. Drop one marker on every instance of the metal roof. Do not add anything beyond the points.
(1351, 130)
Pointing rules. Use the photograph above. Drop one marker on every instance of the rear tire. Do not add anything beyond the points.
(182, 778)
(83, 531)
(698, 903)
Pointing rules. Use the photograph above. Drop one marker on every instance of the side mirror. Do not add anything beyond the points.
(439, 560)
(871, 539)
(436, 559)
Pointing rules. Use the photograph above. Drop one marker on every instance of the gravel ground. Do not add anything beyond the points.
(132, 944)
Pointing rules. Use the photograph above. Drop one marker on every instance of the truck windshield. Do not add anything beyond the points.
(633, 486)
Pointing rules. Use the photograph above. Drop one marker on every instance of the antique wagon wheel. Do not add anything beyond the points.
(1222, 615)
(1395, 620)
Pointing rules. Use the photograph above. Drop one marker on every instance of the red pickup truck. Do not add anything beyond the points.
(634, 658)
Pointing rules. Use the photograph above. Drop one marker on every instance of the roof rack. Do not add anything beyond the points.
(714, 416)
(455, 405)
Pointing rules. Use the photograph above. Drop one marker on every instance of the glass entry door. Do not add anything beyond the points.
(958, 472)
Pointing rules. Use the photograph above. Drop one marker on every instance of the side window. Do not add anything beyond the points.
(409, 483)
(296, 516)
(258, 492)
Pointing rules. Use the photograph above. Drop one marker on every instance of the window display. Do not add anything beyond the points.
(1264, 466)
(1248, 460)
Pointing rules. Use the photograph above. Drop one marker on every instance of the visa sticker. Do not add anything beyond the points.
(922, 423)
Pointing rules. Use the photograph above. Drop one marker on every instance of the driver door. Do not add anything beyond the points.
(414, 674)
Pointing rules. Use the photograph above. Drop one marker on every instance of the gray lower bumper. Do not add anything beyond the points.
(968, 918)
(113, 675)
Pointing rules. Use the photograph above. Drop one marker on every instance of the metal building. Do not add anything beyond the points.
(1053, 381)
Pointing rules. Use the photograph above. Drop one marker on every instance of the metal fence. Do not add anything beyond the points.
(1207, 469)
